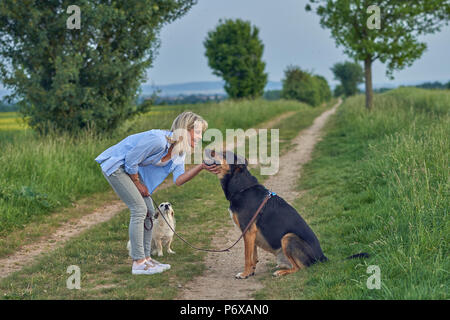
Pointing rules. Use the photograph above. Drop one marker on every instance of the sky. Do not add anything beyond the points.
(290, 36)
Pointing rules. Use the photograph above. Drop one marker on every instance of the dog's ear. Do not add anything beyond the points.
(241, 161)
(239, 168)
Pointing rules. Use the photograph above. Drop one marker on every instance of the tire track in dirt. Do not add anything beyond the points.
(26, 254)
(218, 282)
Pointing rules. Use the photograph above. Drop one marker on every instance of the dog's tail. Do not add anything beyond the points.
(359, 255)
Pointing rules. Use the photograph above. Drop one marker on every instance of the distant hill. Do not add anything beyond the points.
(202, 87)
(216, 87)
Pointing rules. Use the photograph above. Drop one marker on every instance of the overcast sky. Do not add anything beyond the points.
(290, 36)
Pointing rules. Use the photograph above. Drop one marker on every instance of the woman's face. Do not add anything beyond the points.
(196, 136)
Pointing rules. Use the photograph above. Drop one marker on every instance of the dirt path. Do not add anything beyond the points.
(27, 253)
(218, 280)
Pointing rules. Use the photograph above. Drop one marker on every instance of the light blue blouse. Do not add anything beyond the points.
(139, 153)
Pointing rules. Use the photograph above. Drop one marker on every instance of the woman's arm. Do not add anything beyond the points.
(140, 186)
(188, 175)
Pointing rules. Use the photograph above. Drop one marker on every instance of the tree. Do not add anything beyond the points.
(339, 91)
(395, 42)
(303, 86)
(325, 91)
(234, 52)
(272, 95)
(72, 79)
(350, 75)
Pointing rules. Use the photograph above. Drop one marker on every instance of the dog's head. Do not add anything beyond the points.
(229, 162)
(166, 209)
(234, 174)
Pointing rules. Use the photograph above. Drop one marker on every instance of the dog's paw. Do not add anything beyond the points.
(171, 251)
(278, 273)
(242, 275)
(160, 254)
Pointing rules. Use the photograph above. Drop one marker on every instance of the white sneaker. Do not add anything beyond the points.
(145, 268)
(158, 264)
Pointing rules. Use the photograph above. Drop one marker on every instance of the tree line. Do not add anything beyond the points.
(234, 53)
(89, 78)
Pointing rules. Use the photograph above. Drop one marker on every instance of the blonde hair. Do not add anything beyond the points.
(180, 127)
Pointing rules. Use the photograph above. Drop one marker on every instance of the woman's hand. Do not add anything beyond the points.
(188, 175)
(142, 189)
(212, 168)
(140, 186)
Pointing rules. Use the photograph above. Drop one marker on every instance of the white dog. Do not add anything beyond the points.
(162, 235)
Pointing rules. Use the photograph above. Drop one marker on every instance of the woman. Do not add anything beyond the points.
(138, 164)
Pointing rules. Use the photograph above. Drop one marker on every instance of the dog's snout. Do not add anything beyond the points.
(166, 206)
(210, 153)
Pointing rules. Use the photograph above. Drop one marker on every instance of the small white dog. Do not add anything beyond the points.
(162, 235)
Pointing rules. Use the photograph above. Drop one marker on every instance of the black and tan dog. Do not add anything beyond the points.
(279, 228)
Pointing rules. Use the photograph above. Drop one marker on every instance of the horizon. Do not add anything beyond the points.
(4, 92)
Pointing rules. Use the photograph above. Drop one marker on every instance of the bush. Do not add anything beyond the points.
(339, 90)
(350, 74)
(325, 91)
(272, 95)
(305, 87)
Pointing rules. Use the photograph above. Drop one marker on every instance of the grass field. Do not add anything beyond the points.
(101, 253)
(378, 183)
(43, 174)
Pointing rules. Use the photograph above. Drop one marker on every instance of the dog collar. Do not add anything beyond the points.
(271, 193)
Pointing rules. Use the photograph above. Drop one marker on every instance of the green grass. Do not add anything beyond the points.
(378, 183)
(103, 259)
(42, 175)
